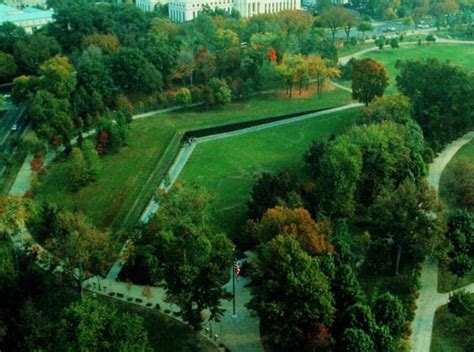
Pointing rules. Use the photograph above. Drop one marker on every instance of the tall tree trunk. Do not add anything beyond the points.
(397, 260)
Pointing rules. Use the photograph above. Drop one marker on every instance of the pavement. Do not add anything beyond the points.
(429, 299)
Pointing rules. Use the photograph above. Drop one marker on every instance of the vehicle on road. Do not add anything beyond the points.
(14, 127)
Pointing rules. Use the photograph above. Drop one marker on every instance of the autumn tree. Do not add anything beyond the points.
(58, 77)
(297, 223)
(81, 249)
(13, 214)
(321, 72)
(292, 69)
(369, 80)
(108, 43)
(291, 294)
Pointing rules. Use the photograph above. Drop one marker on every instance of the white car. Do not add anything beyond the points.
(14, 127)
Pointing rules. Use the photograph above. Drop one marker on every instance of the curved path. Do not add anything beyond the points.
(429, 299)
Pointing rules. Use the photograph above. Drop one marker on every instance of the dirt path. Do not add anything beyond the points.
(429, 299)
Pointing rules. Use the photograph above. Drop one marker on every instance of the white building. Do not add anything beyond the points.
(29, 18)
(186, 10)
(148, 5)
(19, 4)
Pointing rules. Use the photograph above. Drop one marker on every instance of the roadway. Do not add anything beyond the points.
(15, 115)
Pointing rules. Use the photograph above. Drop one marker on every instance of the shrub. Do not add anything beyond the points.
(461, 303)
(183, 97)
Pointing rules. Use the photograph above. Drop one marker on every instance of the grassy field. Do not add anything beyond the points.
(123, 175)
(458, 54)
(451, 333)
(228, 168)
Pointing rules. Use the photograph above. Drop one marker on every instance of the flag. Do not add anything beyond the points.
(237, 270)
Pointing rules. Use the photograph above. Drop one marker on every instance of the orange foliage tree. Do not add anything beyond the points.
(297, 223)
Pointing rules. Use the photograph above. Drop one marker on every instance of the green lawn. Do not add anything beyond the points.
(228, 168)
(457, 53)
(451, 333)
(107, 201)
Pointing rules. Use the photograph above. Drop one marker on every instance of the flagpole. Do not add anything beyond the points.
(233, 291)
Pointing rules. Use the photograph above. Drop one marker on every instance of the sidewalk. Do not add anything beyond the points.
(430, 300)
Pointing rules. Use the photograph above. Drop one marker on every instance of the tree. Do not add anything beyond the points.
(92, 161)
(57, 77)
(221, 93)
(90, 325)
(191, 257)
(460, 232)
(183, 97)
(108, 43)
(444, 111)
(292, 69)
(133, 73)
(369, 80)
(460, 265)
(461, 184)
(334, 19)
(409, 217)
(270, 190)
(341, 167)
(396, 108)
(360, 316)
(33, 50)
(13, 215)
(394, 43)
(312, 236)
(389, 311)
(356, 340)
(112, 133)
(320, 71)
(350, 20)
(291, 294)
(8, 67)
(461, 303)
(51, 118)
(82, 249)
(364, 27)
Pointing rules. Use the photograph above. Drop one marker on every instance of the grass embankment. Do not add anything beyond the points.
(107, 201)
(165, 334)
(229, 167)
(459, 54)
(446, 280)
(451, 333)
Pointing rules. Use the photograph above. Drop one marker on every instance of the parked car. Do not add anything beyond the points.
(15, 127)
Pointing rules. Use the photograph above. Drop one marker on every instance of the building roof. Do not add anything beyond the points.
(10, 14)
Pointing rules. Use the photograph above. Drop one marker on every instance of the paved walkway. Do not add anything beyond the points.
(429, 299)
(239, 332)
